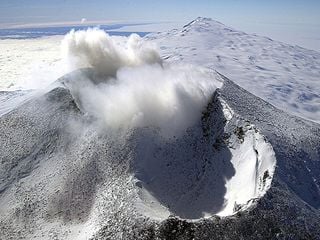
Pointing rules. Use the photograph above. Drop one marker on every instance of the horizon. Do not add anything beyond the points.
(295, 22)
(284, 12)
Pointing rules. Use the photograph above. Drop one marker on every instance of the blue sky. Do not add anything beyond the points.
(281, 19)
(281, 11)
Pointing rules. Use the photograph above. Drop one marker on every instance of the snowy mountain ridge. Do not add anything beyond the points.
(284, 75)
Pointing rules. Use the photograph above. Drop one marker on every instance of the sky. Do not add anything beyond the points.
(282, 19)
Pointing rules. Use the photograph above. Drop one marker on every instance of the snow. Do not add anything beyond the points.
(174, 186)
(286, 76)
(30, 63)
(11, 100)
(251, 160)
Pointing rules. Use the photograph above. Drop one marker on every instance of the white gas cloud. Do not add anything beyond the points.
(105, 54)
(136, 89)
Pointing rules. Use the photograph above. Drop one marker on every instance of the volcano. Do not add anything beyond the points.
(196, 157)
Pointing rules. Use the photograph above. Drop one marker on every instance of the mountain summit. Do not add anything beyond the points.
(284, 75)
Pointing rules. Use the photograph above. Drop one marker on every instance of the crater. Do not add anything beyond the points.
(218, 167)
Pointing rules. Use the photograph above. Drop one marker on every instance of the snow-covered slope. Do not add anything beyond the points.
(64, 178)
(60, 170)
(286, 76)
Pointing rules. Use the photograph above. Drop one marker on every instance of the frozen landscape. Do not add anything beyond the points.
(200, 132)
